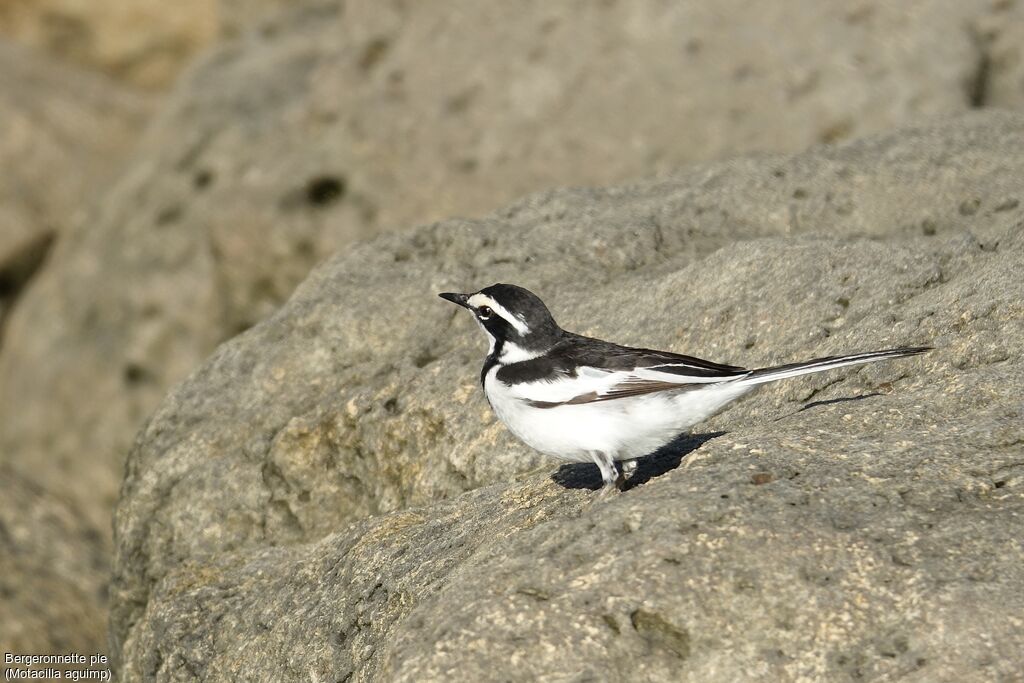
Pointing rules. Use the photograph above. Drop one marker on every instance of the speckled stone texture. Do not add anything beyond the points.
(54, 569)
(296, 509)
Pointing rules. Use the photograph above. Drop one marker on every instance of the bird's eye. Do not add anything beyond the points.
(484, 312)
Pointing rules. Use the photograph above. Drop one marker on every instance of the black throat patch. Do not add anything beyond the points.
(491, 360)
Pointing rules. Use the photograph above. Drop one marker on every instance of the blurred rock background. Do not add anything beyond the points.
(171, 172)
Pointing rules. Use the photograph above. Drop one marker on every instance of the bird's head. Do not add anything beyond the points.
(517, 323)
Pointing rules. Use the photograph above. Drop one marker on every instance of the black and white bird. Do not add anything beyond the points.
(587, 400)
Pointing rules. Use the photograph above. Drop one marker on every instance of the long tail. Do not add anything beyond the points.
(820, 364)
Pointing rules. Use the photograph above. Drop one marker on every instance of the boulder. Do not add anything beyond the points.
(295, 509)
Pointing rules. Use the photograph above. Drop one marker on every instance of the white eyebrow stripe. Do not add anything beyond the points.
(478, 300)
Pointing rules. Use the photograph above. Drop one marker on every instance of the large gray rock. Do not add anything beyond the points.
(335, 121)
(835, 539)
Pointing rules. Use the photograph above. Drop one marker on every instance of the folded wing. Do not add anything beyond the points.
(624, 373)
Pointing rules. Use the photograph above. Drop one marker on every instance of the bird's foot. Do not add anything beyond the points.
(610, 488)
(628, 469)
(611, 476)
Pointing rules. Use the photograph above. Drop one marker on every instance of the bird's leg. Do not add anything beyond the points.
(610, 475)
(628, 469)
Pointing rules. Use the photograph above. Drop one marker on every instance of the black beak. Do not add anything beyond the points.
(460, 299)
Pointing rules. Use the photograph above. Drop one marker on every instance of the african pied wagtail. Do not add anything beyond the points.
(582, 399)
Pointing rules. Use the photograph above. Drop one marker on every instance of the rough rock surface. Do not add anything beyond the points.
(46, 178)
(832, 527)
(144, 42)
(53, 572)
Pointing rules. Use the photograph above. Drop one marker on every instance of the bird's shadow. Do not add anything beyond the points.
(665, 459)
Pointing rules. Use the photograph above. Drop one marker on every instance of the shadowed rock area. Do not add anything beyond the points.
(858, 524)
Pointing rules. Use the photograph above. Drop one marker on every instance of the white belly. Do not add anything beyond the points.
(623, 428)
